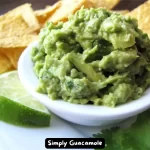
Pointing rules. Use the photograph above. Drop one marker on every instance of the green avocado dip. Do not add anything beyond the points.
(96, 57)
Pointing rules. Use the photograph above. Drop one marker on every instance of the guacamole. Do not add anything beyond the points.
(96, 57)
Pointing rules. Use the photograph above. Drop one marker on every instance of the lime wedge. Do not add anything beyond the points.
(17, 106)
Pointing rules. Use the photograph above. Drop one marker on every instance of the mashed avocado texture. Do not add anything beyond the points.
(97, 57)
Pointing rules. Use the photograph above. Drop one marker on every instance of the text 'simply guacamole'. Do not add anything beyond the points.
(96, 57)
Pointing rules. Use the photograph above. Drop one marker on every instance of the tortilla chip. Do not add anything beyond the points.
(17, 41)
(110, 4)
(98, 3)
(13, 54)
(5, 64)
(27, 12)
(15, 27)
(67, 8)
(43, 15)
(142, 14)
(123, 12)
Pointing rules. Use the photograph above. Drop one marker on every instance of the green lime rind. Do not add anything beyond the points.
(17, 106)
(18, 114)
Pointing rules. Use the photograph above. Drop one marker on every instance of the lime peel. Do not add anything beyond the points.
(17, 106)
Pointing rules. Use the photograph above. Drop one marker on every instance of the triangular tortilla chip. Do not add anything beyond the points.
(98, 3)
(142, 14)
(15, 27)
(5, 64)
(43, 15)
(17, 41)
(27, 13)
(67, 8)
(13, 54)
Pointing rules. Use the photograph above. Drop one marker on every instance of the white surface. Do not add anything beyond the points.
(88, 131)
(80, 114)
(20, 138)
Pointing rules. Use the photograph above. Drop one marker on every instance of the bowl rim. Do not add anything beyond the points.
(30, 81)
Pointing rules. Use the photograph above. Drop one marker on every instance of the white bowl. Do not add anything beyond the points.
(81, 114)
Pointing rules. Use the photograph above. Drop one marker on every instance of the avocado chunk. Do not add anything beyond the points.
(87, 69)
